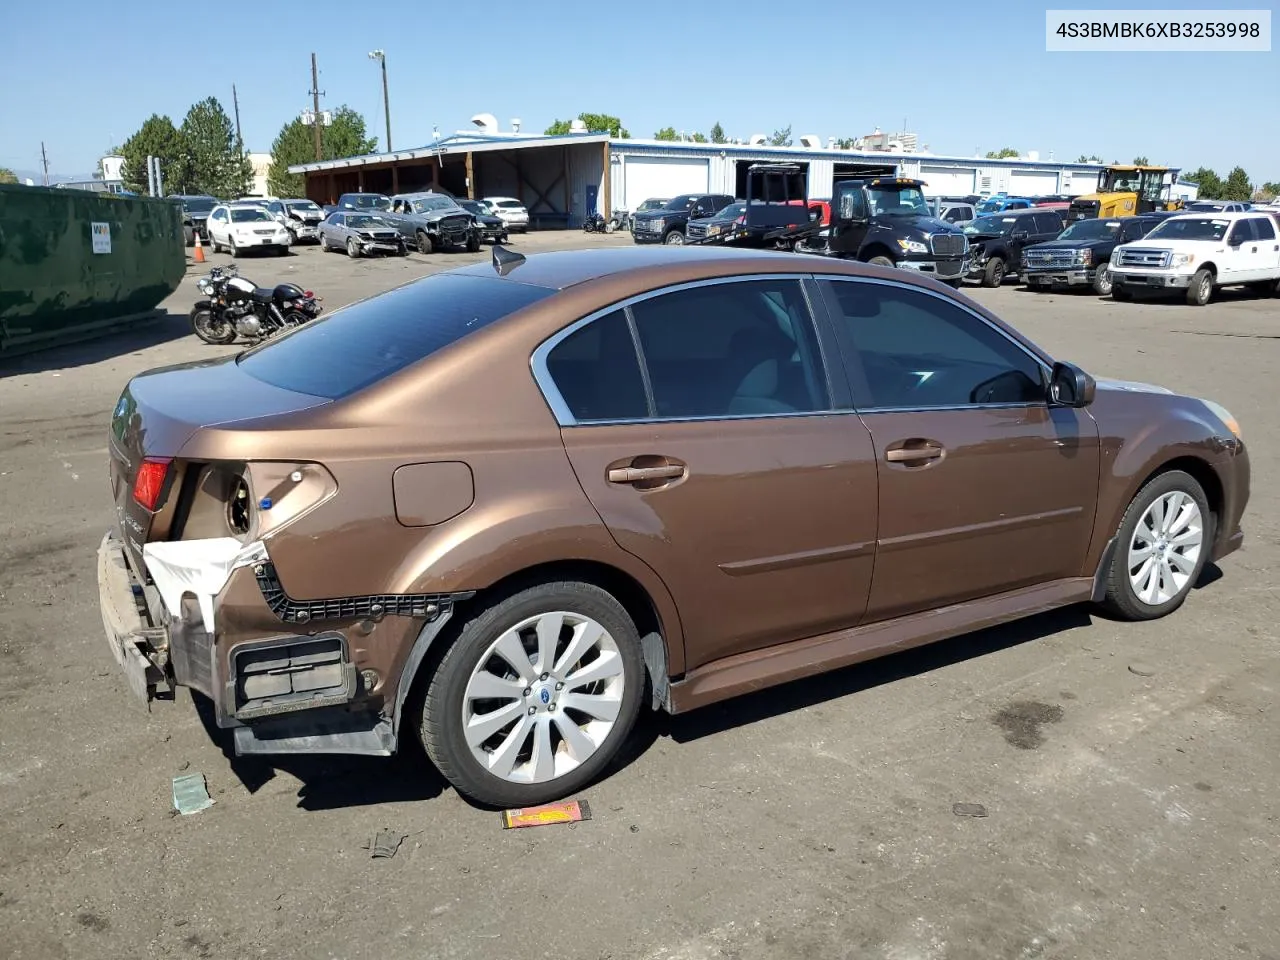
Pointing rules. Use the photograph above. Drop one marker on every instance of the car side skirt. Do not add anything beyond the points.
(759, 669)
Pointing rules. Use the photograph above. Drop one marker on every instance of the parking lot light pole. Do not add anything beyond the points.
(381, 57)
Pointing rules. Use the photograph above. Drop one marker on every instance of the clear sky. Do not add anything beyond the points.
(81, 76)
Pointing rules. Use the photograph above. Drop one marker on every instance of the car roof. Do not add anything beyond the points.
(658, 264)
(1218, 215)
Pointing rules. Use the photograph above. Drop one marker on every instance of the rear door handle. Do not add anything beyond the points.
(670, 471)
(917, 452)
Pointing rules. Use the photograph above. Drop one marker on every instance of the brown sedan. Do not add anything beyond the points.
(508, 505)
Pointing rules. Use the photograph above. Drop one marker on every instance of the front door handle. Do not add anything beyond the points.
(670, 471)
(914, 451)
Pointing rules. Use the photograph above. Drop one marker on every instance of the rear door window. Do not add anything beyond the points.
(597, 371)
(361, 344)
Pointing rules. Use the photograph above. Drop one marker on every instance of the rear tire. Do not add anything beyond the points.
(1201, 289)
(1150, 579)
(588, 616)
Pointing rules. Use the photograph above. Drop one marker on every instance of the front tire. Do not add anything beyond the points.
(1120, 293)
(536, 696)
(1201, 288)
(211, 329)
(473, 244)
(881, 261)
(674, 239)
(425, 244)
(1161, 548)
(1102, 280)
(353, 248)
(993, 276)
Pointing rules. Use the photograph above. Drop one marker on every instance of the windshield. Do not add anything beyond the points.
(898, 202)
(1091, 230)
(305, 205)
(249, 215)
(1206, 206)
(432, 203)
(365, 220)
(1198, 228)
(369, 201)
(990, 225)
(994, 205)
(472, 206)
(510, 204)
(199, 204)
(654, 204)
(732, 211)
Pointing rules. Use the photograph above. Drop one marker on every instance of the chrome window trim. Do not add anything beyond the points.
(564, 416)
(1045, 368)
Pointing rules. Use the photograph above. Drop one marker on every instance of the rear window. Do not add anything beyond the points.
(355, 347)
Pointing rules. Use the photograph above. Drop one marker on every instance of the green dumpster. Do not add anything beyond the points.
(75, 264)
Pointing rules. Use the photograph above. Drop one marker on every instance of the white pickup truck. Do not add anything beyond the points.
(1200, 252)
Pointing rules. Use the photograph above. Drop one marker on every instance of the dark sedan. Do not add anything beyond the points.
(492, 229)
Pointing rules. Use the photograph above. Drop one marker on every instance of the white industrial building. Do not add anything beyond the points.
(563, 178)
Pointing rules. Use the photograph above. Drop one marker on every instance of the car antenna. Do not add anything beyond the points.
(504, 260)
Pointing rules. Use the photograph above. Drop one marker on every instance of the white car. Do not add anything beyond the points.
(242, 226)
(1199, 252)
(510, 211)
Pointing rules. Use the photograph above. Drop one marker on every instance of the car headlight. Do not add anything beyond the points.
(1181, 259)
(1085, 257)
(658, 224)
(1115, 257)
(1223, 414)
(913, 246)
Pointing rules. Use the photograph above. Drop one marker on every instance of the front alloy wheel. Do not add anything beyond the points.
(674, 239)
(1161, 548)
(536, 696)
(1102, 280)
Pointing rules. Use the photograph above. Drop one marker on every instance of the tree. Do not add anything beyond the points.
(595, 123)
(1270, 189)
(1092, 158)
(218, 166)
(1141, 162)
(699, 138)
(666, 133)
(1237, 186)
(7, 175)
(1002, 154)
(346, 136)
(717, 133)
(845, 143)
(781, 138)
(157, 137)
(1209, 184)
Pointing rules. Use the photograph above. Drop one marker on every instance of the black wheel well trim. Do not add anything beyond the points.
(617, 583)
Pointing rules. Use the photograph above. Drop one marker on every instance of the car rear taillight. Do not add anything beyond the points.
(149, 482)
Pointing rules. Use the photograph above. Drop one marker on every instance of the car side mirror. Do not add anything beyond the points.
(1069, 386)
(1021, 235)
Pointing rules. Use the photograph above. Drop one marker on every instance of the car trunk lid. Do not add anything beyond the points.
(157, 413)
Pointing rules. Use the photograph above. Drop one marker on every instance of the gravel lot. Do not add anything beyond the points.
(1129, 772)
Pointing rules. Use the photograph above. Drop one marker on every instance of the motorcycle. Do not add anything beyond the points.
(594, 223)
(237, 307)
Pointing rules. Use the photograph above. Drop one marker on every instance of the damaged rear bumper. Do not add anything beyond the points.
(285, 675)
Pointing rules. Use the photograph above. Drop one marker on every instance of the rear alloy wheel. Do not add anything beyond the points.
(353, 248)
(674, 239)
(993, 276)
(1161, 548)
(1102, 280)
(536, 696)
(1201, 288)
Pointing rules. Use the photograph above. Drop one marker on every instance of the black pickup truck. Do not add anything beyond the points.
(1081, 256)
(996, 241)
(887, 221)
(775, 202)
(667, 224)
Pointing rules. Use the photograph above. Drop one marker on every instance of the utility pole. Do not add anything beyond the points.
(381, 57)
(315, 95)
(236, 101)
(44, 158)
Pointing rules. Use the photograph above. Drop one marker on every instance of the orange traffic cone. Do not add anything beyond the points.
(199, 254)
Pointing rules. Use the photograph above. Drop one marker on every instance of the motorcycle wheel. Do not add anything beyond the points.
(210, 328)
(609, 227)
